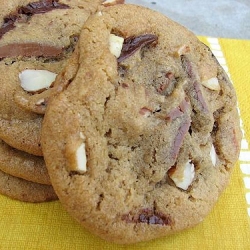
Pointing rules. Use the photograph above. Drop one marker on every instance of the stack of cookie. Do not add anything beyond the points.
(36, 40)
(141, 130)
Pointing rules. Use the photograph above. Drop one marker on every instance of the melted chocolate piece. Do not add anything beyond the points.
(174, 113)
(37, 50)
(198, 96)
(29, 49)
(41, 7)
(125, 85)
(8, 25)
(23, 13)
(183, 130)
(184, 105)
(178, 111)
(132, 44)
(195, 86)
(148, 216)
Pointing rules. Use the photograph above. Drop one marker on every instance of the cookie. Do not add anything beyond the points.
(22, 190)
(143, 139)
(23, 165)
(34, 35)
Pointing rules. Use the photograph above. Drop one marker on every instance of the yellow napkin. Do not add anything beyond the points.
(48, 226)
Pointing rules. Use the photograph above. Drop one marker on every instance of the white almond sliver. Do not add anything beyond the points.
(211, 83)
(81, 159)
(99, 13)
(34, 80)
(111, 2)
(115, 44)
(213, 155)
(108, 2)
(75, 153)
(184, 179)
(184, 49)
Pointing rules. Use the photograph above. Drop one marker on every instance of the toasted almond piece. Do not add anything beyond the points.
(183, 177)
(99, 13)
(184, 49)
(40, 102)
(35, 80)
(82, 136)
(81, 159)
(145, 112)
(115, 44)
(213, 155)
(211, 83)
(76, 153)
(112, 2)
(77, 160)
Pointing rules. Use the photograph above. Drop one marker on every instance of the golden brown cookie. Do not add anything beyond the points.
(23, 165)
(142, 141)
(36, 39)
(22, 190)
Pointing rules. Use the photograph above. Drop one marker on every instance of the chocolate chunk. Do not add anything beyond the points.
(183, 130)
(29, 49)
(132, 44)
(8, 25)
(41, 7)
(25, 12)
(155, 220)
(199, 97)
(194, 88)
(125, 85)
(174, 113)
(184, 105)
(143, 218)
(148, 216)
(178, 111)
(43, 52)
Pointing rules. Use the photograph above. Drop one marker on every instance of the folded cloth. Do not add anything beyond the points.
(48, 226)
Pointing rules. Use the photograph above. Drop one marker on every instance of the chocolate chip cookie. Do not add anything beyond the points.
(142, 140)
(23, 165)
(36, 39)
(22, 190)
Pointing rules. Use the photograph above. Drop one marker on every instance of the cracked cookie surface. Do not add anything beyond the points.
(143, 138)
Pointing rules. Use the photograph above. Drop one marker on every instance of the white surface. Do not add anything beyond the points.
(221, 18)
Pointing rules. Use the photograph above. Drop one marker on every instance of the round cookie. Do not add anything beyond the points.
(22, 190)
(23, 165)
(34, 35)
(142, 141)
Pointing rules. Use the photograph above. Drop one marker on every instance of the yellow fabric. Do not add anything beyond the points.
(48, 226)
